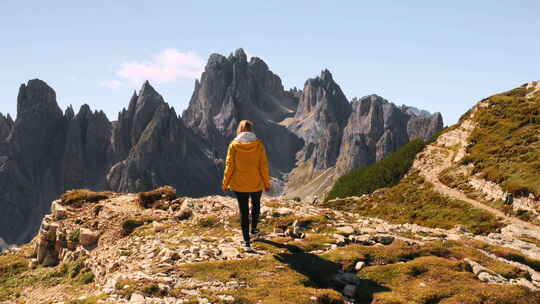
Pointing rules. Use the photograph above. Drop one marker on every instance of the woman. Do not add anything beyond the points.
(246, 173)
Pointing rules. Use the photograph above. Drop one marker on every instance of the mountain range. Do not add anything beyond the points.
(312, 136)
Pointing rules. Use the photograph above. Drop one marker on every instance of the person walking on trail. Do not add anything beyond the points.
(246, 173)
(508, 204)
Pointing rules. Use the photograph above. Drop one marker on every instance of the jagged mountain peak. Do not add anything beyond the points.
(148, 90)
(238, 56)
(38, 95)
(323, 94)
(326, 75)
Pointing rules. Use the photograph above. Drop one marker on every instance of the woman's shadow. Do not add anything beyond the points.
(320, 272)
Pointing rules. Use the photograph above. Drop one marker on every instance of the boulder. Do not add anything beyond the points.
(50, 259)
(184, 213)
(345, 230)
(88, 237)
(137, 298)
(384, 239)
(349, 290)
(158, 227)
(58, 211)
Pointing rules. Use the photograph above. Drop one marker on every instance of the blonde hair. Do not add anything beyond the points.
(244, 126)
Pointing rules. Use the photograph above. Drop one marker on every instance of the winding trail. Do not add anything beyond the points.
(447, 151)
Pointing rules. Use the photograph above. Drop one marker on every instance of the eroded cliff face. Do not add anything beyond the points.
(311, 136)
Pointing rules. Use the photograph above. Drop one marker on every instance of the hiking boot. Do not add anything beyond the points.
(247, 247)
(255, 233)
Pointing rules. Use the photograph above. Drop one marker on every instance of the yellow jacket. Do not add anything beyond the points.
(246, 168)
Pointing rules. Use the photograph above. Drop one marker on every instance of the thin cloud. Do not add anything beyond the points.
(168, 66)
(112, 84)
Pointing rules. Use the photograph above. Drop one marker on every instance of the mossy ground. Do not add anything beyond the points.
(414, 200)
(398, 273)
(505, 145)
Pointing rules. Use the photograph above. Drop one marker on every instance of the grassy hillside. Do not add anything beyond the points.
(384, 173)
(414, 200)
(505, 145)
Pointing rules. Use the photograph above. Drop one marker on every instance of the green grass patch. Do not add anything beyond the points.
(384, 173)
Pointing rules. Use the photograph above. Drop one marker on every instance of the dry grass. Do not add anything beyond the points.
(152, 198)
(78, 197)
(504, 147)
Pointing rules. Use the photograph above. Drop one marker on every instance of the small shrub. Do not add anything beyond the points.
(153, 289)
(525, 215)
(74, 236)
(76, 198)
(97, 209)
(129, 224)
(297, 199)
(417, 270)
(86, 277)
(208, 221)
(151, 198)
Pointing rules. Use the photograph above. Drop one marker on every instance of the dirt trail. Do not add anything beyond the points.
(445, 152)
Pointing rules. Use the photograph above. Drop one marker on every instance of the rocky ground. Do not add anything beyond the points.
(187, 250)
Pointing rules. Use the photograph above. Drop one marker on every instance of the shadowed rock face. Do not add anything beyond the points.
(310, 135)
(30, 175)
(6, 125)
(87, 155)
(163, 151)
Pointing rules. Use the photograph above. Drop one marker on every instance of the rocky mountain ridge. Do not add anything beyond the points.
(45, 152)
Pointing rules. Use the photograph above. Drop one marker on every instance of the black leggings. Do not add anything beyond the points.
(243, 204)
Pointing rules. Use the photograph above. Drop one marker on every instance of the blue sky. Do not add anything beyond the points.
(435, 55)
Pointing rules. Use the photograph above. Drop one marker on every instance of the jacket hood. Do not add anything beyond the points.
(246, 137)
(246, 142)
